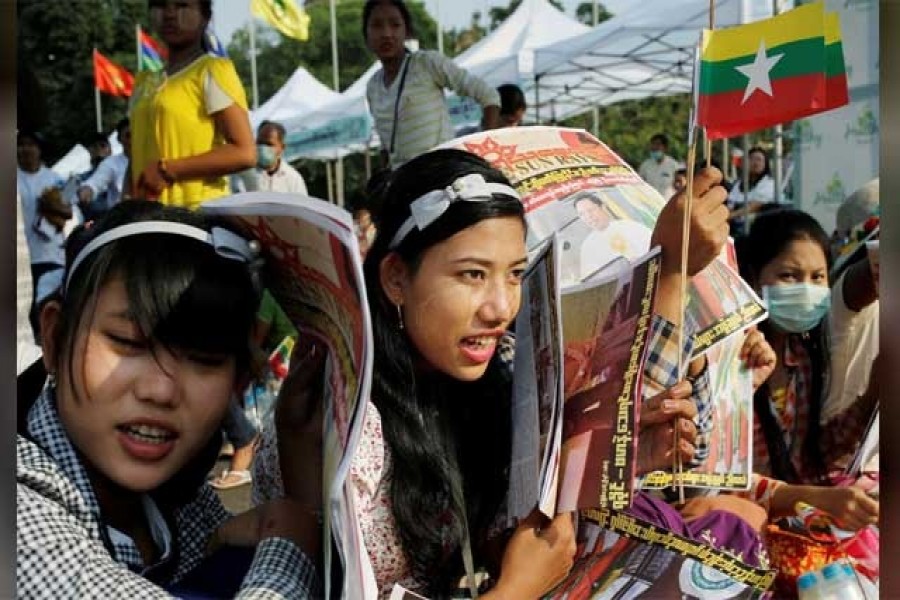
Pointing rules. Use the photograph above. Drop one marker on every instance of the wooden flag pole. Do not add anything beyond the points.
(708, 143)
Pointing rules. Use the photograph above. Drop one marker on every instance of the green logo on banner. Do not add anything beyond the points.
(833, 194)
(805, 134)
(865, 127)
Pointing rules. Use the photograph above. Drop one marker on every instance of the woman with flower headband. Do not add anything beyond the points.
(113, 453)
(190, 126)
(430, 476)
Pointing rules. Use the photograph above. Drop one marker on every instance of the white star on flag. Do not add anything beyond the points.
(757, 72)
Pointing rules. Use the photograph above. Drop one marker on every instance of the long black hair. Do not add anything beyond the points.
(181, 294)
(449, 439)
(754, 179)
(769, 236)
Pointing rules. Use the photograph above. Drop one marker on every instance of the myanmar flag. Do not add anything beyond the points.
(836, 93)
(284, 16)
(153, 54)
(279, 360)
(763, 73)
(111, 78)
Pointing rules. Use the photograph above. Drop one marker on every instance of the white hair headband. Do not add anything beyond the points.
(226, 243)
(426, 209)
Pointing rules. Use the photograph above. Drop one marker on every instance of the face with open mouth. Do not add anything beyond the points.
(463, 296)
(137, 413)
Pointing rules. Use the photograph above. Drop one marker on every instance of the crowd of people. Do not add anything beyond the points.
(150, 337)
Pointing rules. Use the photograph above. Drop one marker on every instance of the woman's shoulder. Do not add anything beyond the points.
(41, 483)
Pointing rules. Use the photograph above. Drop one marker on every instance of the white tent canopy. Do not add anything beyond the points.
(648, 50)
(301, 94)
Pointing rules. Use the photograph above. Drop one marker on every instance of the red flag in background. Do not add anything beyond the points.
(111, 78)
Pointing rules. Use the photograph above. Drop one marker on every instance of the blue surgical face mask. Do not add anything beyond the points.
(656, 154)
(265, 156)
(797, 307)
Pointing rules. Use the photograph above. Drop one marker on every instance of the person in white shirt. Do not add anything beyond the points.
(272, 172)
(612, 237)
(761, 190)
(44, 232)
(659, 169)
(103, 189)
(406, 97)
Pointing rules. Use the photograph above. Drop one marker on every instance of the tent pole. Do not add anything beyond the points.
(440, 30)
(778, 174)
(328, 181)
(537, 99)
(99, 109)
(253, 63)
(726, 163)
(339, 163)
(368, 162)
(745, 177)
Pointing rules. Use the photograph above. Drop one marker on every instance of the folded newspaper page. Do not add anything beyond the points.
(606, 324)
(575, 186)
(537, 391)
(312, 268)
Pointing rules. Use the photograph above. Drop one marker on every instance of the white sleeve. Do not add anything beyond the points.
(102, 178)
(214, 96)
(764, 190)
(448, 74)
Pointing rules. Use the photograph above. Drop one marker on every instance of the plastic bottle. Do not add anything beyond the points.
(837, 584)
(808, 586)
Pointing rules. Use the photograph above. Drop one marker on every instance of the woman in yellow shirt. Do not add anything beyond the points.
(190, 126)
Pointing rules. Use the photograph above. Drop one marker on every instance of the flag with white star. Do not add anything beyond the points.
(770, 72)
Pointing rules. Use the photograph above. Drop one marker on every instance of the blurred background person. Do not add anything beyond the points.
(760, 191)
(659, 169)
(103, 188)
(190, 126)
(272, 172)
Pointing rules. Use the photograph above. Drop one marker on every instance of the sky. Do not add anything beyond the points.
(231, 15)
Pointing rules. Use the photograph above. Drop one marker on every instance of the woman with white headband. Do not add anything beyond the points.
(430, 477)
(113, 453)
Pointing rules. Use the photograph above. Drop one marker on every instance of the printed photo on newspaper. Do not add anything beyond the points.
(575, 186)
(605, 325)
(311, 266)
(619, 556)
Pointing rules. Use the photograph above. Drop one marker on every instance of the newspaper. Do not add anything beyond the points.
(313, 269)
(606, 324)
(537, 390)
(619, 556)
(575, 186)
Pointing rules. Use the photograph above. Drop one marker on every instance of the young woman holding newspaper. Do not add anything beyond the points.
(112, 454)
(430, 475)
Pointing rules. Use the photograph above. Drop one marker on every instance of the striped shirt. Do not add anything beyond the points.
(424, 119)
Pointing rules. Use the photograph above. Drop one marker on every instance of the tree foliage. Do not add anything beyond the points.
(55, 42)
(585, 13)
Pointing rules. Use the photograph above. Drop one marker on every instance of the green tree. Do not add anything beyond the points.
(54, 45)
(585, 13)
(498, 14)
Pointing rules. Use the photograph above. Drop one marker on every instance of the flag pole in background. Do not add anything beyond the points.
(99, 109)
(253, 63)
(778, 132)
(339, 163)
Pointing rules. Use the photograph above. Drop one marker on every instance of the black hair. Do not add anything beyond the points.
(35, 136)
(512, 99)
(661, 138)
(98, 138)
(204, 5)
(278, 127)
(425, 415)
(753, 179)
(769, 236)
(122, 125)
(181, 295)
(399, 4)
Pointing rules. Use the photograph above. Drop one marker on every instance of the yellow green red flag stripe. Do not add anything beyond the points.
(763, 73)
(836, 91)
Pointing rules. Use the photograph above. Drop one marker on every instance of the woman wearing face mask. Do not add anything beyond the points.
(112, 455)
(786, 259)
(189, 123)
(443, 278)
(761, 188)
(406, 96)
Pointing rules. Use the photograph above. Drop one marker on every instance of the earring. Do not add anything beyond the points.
(399, 316)
(51, 380)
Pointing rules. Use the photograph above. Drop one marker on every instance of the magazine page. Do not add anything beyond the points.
(605, 325)
(619, 556)
(537, 391)
(312, 268)
(574, 185)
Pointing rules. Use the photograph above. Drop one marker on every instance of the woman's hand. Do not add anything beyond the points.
(151, 182)
(659, 417)
(538, 556)
(284, 518)
(759, 357)
(851, 508)
(708, 226)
